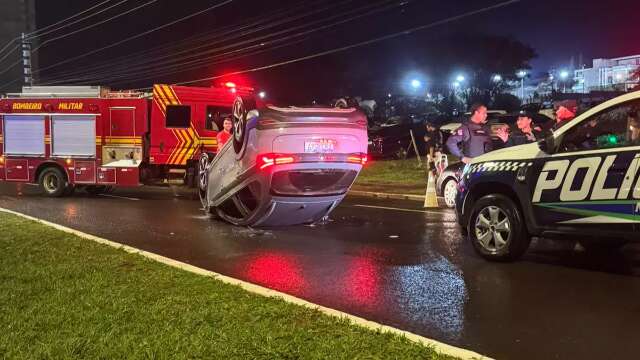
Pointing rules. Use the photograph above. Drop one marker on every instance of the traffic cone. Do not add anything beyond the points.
(430, 197)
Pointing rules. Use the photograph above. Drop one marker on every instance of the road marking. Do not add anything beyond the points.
(400, 209)
(438, 346)
(120, 197)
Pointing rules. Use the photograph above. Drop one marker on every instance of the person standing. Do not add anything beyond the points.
(525, 134)
(472, 138)
(224, 135)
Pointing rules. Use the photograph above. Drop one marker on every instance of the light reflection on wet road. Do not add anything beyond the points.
(408, 269)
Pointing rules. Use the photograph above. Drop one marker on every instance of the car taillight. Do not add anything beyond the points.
(265, 161)
(357, 159)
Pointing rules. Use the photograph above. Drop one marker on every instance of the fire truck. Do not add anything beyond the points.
(68, 137)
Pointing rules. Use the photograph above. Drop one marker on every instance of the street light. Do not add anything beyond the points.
(415, 84)
(497, 78)
(460, 78)
(262, 94)
(564, 74)
(455, 84)
(522, 74)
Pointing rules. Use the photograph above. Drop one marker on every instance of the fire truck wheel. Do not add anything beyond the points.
(241, 106)
(52, 182)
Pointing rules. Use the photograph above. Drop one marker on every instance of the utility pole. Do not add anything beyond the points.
(26, 61)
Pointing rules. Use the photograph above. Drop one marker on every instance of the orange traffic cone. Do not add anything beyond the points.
(430, 197)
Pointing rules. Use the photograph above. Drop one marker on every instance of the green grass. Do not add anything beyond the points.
(393, 171)
(64, 297)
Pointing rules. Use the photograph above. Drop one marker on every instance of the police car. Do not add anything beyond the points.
(581, 183)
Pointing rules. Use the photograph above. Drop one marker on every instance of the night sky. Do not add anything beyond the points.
(559, 31)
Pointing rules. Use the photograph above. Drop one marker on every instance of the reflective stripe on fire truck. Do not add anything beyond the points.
(188, 139)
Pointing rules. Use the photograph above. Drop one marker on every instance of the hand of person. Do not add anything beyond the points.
(466, 160)
(503, 134)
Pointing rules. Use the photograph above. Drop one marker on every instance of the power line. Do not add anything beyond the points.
(33, 33)
(94, 25)
(145, 54)
(261, 42)
(198, 63)
(355, 45)
(136, 36)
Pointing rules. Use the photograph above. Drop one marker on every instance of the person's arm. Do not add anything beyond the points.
(453, 143)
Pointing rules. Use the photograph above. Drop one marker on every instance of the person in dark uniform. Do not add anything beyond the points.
(525, 134)
(473, 138)
(432, 139)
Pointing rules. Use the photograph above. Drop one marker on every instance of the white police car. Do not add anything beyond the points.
(581, 182)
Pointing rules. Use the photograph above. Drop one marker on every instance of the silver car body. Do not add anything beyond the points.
(294, 166)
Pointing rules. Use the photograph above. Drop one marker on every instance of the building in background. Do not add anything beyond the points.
(607, 74)
(16, 17)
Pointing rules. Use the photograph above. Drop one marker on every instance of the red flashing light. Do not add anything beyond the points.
(230, 84)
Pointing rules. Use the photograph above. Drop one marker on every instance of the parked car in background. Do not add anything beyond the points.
(391, 137)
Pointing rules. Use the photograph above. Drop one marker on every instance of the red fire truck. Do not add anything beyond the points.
(64, 138)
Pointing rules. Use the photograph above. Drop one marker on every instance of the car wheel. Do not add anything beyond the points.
(496, 229)
(203, 178)
(449, 192)
(241, 106)
(53, 182)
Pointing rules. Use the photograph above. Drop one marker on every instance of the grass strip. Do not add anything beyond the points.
(64, 297)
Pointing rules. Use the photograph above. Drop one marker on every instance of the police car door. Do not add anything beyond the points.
(591, 182)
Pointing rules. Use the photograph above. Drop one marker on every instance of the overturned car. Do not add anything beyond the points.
(283, 166)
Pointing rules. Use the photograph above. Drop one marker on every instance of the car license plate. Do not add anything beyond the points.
(320, 146)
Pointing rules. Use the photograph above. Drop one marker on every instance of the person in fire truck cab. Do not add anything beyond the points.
(224, 135)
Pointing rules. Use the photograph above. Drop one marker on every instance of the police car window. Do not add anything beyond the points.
(214, 117)
(178, 116)
(612, 128)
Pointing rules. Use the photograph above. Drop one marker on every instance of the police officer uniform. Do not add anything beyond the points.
(475, 140)
(517, 137)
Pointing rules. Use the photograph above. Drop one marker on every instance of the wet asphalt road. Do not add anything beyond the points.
(405, 268)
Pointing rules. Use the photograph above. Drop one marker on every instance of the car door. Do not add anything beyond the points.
(589, 184)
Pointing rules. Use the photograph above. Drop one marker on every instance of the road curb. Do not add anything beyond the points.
(381, 195)
(259, 290)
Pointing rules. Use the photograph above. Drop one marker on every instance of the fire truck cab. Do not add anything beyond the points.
(89, 137)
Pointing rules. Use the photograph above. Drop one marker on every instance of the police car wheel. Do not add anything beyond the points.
(449, 192)
(496, 229)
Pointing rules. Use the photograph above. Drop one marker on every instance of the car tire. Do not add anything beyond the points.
(496, 229)
(241, 107)
(203, 178)
(449, 191)
(53, 182)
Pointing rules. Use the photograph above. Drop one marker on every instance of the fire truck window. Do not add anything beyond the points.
(178, 116)
(215, 116)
